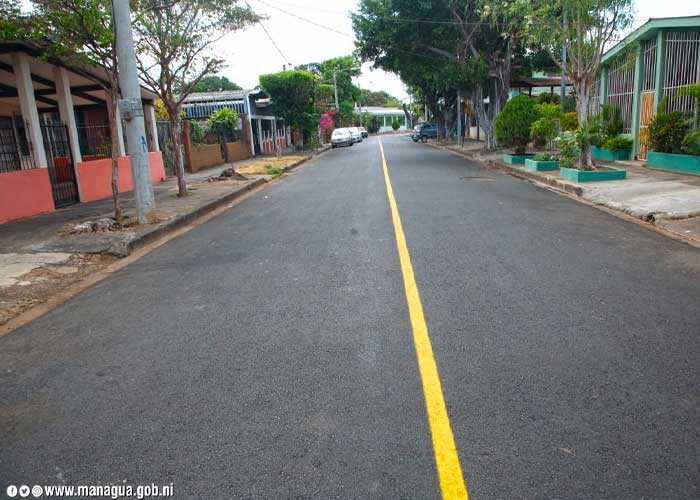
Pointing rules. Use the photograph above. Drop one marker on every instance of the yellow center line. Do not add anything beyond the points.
(446, 459)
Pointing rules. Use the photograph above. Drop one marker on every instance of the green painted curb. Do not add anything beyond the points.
(686, 164)
(603, 154)
(540, 166)
(515, 159)
(576, 175)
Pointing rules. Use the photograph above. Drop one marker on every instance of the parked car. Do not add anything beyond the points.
(364, 132)
(424, 131)
(356, 134)
(341, 137)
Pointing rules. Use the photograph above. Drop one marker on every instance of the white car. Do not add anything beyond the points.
(364, 132)
(341, 137)
(356, 134)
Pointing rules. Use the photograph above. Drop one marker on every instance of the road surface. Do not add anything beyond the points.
(269, 353)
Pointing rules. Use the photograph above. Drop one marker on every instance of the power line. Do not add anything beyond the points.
(269, 36)
(319, 25)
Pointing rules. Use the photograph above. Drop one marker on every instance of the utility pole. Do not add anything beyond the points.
(459, 118)
(563, 63)
(335, 88)
(131, 110)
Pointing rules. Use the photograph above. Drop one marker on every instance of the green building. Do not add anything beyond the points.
(651, 63)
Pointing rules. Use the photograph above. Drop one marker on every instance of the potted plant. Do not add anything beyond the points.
(542, 162)
(569, 146)
(673, 146)
(513, 125)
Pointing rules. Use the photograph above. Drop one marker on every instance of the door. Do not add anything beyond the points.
(60, 165)
(646, 115)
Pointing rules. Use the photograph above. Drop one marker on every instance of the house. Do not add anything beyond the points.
(55, 146)
(385, 116)
(254, 106)
(652, 62)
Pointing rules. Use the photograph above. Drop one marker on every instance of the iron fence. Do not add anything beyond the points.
(14, 149)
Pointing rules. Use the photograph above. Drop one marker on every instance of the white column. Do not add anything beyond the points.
(66, 111)
(120, 132)
(149, 112)
(260, 137)
(30, 114)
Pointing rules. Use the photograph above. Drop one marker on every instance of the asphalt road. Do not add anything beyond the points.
(268, 353)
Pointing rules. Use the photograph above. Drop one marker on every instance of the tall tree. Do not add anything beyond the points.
(215, 83)
(80, 33)
(586, 28)
(175, 44)
(345, 68)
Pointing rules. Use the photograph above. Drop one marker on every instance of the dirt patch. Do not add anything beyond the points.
(261, 166)
(42, 283)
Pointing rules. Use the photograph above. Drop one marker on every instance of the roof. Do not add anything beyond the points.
(224, 95)
(650, 29)
(539, 81)
(380, 110)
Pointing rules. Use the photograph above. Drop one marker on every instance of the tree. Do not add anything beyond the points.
(293, 98)
(224, 122)
(586, 27)
(378, 98)
(80, 33)
(175, 47)
(215, 83)
(344, 68)
(513, 124)
(395, 124)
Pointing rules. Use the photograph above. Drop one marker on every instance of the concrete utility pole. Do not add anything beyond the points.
(563, 63)
(335, 88)
(459, 118)
(131, 110)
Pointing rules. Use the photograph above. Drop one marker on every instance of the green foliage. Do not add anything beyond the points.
(395, 124)
(542, 131)
(548, 110)
(691, 143)
(223, 122)
(215, 83)
(618, 143)
(611, 120)
(373, 125)
(569, 121)
(344, 68)
(694, 92)
(378, 98)
(273, 171)
(667, 131)
(196, 132)
(569, 149)
(293, 97)
(548, 98)
(346, 116)
(514, 122)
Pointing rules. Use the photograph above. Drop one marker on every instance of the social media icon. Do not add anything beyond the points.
(37, 491)
(24, 491)
(12, 491)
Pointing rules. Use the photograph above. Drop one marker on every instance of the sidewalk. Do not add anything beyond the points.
(40, 255)
(667, 200)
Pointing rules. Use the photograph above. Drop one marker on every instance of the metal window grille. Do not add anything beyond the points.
(14, 148)
(621, 89)
(594, 99)
(649, 59)
(682, 67)
(203, 110)
(95, 141)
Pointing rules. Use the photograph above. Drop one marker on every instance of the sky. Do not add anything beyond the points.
(315, 30)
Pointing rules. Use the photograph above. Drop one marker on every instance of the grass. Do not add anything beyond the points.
(260, 166)
(273, 171)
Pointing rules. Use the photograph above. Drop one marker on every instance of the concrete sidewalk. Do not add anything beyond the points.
(665, 199)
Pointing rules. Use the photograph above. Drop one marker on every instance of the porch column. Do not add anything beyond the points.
(660, 76)
(260, 137)
(120, 133)
(274, 134)
(636, 98)
(149, 114)
(30, 114)
(603, 92)
(66, 111)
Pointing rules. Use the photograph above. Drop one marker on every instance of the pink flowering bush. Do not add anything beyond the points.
(327, 124)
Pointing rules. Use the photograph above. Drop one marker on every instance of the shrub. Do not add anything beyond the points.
(395, 124)
(548, 98)
(569, 149)
(667, 131)
(542, 132)
(551, 111)
(569, 121)
(514, 121)
(373, 125)
(545, 157)
(197, 132)
(618, 143)
(611, 120)
(691, 143)
(223, 122)
(273, 171)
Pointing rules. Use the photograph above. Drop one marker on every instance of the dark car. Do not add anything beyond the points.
(424, 131)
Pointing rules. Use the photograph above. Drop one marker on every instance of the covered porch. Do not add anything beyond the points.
(55, 139)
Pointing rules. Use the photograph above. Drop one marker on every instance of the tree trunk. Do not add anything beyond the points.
(485, 121)
(113, 103)
(177, 151)
(583, 89)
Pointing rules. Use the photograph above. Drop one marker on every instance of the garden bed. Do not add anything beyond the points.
(685, 164)
(540, 166)
(513, 159)
(603, 154)
(597, 175)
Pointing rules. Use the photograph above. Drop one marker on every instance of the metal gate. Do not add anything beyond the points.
(60, 164)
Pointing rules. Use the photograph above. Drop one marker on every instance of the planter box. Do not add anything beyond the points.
(676, 163)
(607, 174)
(541, 165)
(603, 154)
(516, 159)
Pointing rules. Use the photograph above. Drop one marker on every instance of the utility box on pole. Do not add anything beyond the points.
(131, 110)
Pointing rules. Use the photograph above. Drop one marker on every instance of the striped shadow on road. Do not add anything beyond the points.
(449, 470)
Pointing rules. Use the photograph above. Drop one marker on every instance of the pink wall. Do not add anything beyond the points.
(95, 177)
(24, 193)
